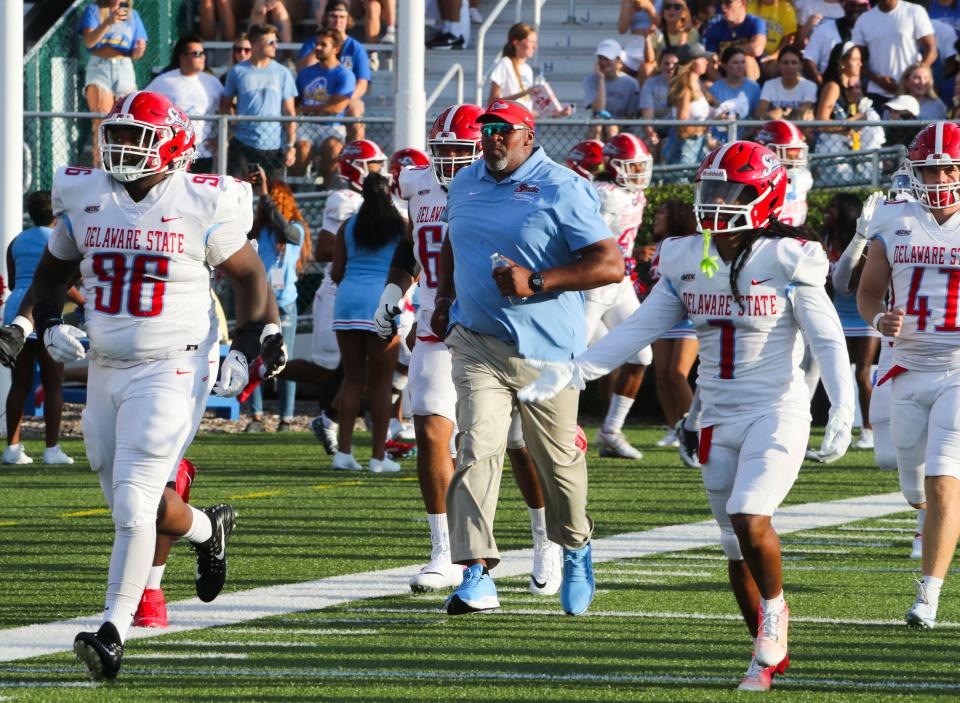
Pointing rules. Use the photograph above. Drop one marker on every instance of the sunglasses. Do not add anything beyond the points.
(242, 49)
(196, 54)
(270, 42)
(673, 6)
(499, 128)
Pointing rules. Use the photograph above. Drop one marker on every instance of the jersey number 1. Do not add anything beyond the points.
(727, 346)
(145, 270)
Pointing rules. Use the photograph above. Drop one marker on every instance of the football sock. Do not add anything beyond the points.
(921, 518)
(617, 413)
(931, 587)
(439, 534)
(773, 605)
(538, 522)
(129, 570)
(156, 576)
(201, 530)
(447, 27)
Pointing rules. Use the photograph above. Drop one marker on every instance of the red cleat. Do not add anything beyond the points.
(152, 611)
(759, 677)
(400, 450)
(186, 472)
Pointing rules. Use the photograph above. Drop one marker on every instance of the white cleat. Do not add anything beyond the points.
(55, 455)
(547, 574)
(439, 575)
(865, 441)
(16, 454)
(771, 647)
(916, 549)
(669, 440)
(345, 462)
(614, 444)
(922, 614)
(384, 466)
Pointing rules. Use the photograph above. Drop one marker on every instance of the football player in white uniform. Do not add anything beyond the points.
(915, 249)
(786, 141)
(757, 283)
(620, 185)
(145, 235)
(454, 142)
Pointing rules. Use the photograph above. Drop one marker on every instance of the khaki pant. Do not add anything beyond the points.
(487, 373)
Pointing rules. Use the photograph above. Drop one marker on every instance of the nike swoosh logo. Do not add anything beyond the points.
(181, 372)
(474, 193)
(223, 539)
(170, 219)
(537, 583)
(755, 282)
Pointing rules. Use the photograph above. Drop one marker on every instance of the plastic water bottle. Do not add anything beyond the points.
(496, 261)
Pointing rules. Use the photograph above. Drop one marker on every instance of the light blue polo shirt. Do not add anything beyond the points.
(267, 249)
(261, 92)
(538, 216)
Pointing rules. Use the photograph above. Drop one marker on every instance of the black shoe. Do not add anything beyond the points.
(284, 426)
(446, 41)
(101, 651)
(212, 554)
(326, 433)
(254, 426)
(689, 445)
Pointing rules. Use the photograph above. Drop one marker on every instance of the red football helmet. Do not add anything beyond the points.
(937, 144)
(586, 158)
(455, 130)
(405, 158)
(145, 133)
(739, 186)
(629, 160)
(786, 141)
(355, 160)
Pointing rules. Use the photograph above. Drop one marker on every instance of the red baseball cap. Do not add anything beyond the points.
(509, 111)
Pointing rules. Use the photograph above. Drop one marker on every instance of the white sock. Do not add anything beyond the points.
(201, 530)
(773, 605)
(921, 518)
(931, 587)
(439, 533)
(15, 447)
(617, 413)
(129, 570)
(156, 575)
(448, 26)
(538, 522)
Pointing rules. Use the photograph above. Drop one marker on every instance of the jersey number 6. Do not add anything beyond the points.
(146, 269)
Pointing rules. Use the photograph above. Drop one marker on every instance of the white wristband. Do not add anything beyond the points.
(876, 320)
(269, 329)
(24, 324)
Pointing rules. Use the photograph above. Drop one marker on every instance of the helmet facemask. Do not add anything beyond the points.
(446, 167)
(793, 157)
(934, 196)
(130, 149)
(724, 207)
(633, 174)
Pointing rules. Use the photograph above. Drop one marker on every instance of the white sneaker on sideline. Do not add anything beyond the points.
(407, 434)
(439, 575)
(668, 440)
(865, 441)
(389, 36)
(547, 571)
(771, 647)
(383, 466)
(16, 454)
(916, 549)
(922, 613)
(475, 16)
(614, 444)
(345, 462)
(55, 455)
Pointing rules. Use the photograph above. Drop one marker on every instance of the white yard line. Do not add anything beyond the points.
(243, 606)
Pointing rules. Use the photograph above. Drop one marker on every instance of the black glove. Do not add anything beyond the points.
(273, 352)
(11, 343)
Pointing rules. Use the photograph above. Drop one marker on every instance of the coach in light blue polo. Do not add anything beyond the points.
(540, 224)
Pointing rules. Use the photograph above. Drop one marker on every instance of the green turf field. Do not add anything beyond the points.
(662, 628)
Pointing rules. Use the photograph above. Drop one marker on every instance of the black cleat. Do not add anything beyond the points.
(101, 651)
(212, 554)
(446, 41)
(689, 445)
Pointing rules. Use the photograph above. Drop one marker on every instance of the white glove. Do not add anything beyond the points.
(63, 343)
(387, 311)
(555, 376)
(837, 435)
(234, 375)
(863, 222)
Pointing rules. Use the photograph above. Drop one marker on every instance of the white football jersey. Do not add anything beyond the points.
(750, 355)
(340, 206)
(924, 259)
(427, 203)
(794, 211)
(145, 265)
(622, 210)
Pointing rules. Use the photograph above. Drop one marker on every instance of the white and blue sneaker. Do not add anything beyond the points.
(476, 593)
(576, 591)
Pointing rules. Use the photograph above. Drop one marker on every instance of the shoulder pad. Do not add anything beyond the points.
(679, 256)
(72, 183)
(413, 180)
(803, 261)
(235, 201)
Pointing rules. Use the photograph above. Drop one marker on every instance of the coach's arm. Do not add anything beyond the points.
(596, 265)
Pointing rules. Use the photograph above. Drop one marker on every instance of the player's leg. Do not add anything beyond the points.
(545, 576)
(381, 361)
(353, 353)
(325, 355)
(662, 354)
(863, 353)
(21, 384)
(51, 376)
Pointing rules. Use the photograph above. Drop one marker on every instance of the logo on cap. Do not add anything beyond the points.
(499, 106)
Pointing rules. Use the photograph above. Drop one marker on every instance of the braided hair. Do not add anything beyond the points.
(774, 230)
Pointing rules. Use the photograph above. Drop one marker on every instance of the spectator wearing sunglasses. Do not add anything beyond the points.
(551, 243)
(265, 88)
(189, 85)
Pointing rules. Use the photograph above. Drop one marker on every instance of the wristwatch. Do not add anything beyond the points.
(536, 282)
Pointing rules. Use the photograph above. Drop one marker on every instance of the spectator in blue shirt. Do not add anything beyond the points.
(115, 37)
(280, 231)
(539, 225)
(735, 89)
(352, 55)
(265, 88)
(737, 28)
(325, 89)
